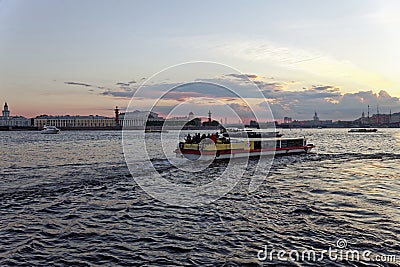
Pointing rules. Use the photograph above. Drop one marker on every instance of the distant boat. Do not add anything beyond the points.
(155, 131)
(363, 130)
(50, 130)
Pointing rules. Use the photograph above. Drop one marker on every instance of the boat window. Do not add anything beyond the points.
(292, 143)
(269, 144)
(257, 144)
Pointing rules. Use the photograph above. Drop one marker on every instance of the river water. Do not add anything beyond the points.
(70, 200)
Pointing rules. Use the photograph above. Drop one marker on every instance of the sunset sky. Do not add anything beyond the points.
(86, 57)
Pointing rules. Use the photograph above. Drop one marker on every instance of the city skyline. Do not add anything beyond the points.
(204, 117)
(87, 57)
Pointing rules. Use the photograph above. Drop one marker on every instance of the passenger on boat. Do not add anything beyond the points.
(188, 139)
(213, 137)
(196, 138)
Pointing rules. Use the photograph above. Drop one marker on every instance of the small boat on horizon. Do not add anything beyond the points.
(50, 130)
(363, 130)
(148, 130)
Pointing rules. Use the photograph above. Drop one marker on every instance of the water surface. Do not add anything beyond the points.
(69, 199)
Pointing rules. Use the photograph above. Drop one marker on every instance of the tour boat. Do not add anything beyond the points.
(50, 130)
(363, 130)
(226, 148)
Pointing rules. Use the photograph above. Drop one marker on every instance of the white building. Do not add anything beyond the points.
(13, 121)
(74, 121)
(138, 119)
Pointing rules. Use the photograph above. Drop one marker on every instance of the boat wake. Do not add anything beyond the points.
(350, 156)
(279, 160)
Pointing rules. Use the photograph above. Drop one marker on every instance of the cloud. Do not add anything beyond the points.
(125, 84)
(120, 94)
(325, 88)
(243, 111)
(281, 96)
(80, 84)
(122, 84)
(123, 91)
(328, 101)
(87, 85)
(243, 76)
(269, 86)
(208, 88)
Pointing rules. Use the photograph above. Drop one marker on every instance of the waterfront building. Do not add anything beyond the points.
(116, 112)
(287, 120)
(363, 121)
(176, 121)
(180, 120)
(380, 119)
(74, 122)
(395, 118)
(6, 112)
(13, 121)
(139, 119)
(315, 122)
(316, 118)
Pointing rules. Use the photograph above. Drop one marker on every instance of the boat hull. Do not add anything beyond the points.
(217, 155)
(363, 130)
